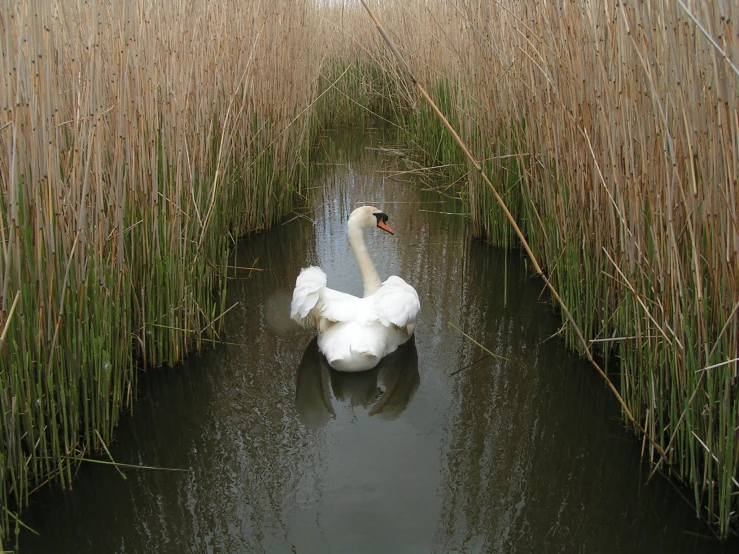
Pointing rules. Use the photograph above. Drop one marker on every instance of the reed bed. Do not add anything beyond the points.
(137, 140)
(611, 131)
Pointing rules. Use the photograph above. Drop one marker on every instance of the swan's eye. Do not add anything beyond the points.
(382, 222)
(381, 217)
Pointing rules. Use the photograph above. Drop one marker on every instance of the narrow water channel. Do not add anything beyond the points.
(443, 448)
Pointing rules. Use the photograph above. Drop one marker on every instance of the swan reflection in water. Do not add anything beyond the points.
(385, 391)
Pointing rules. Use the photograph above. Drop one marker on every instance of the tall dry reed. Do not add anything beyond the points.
(137, 140)
(612, 131)
(138, 137)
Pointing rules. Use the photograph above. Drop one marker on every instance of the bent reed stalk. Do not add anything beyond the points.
(524, 243)
(612, 132)
(137, 141)
(137, 138)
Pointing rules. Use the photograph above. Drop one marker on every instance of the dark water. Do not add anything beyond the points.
(442, 448)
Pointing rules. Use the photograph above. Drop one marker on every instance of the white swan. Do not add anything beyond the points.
(356, 333)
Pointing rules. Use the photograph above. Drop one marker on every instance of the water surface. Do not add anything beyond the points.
(443, 448)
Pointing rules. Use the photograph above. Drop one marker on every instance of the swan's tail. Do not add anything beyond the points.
(355, 361)
(352, 346)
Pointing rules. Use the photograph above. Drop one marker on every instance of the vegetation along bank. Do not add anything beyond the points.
(139, 139)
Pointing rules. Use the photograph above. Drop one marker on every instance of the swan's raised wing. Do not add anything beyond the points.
(316, 306)
(397, 304)
(307, 292)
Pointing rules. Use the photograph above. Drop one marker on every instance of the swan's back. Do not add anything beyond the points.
(355, 333)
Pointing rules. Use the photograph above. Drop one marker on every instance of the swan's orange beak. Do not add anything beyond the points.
(385, 227)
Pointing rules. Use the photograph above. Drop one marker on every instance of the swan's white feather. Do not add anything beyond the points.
(308, 287)
(355, 333)
(316, 306)
(397, 303)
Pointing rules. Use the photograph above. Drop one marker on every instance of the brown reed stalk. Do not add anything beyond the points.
(135, 141)
(585, 346)
(627, 116)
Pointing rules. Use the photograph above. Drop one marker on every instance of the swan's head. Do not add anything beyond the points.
(369, 216)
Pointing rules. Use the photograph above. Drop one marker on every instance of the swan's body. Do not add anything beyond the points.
(356, 333)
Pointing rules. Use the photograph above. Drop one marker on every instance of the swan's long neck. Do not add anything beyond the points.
(370, 277)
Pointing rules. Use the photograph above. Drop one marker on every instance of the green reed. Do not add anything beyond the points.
(132, 153)
(610, 131)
